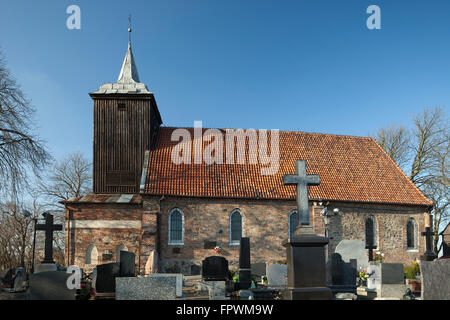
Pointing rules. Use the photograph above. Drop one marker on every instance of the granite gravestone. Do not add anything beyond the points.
(177, 276)
(146, 288)
(343, 274)
(106, 277)
(435, 279)
(353, 249)
(127, 264)
(305, 250)
(258, 269)
(277, 274)
(374, 280)
(215, 268)
(49, 228)
(445, 234)
(50, 285)
(245, 277)
(387, 279)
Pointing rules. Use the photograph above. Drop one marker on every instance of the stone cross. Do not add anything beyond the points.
(49, 228)
(371, 247)
(302, 180)
(429, 254)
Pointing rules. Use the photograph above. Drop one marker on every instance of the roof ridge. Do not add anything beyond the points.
(288, 131)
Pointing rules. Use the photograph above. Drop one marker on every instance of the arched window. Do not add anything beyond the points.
(92, 255)
(176, 227)
(293, 222)
(119, 248)
(411, 234)
(371, 232)
(236, 227)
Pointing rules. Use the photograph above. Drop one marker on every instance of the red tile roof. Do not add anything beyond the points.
(354, 169)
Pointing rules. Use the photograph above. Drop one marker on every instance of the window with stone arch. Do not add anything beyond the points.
(119, 248)
(176, 227)
(371, 231)
(92, 255)
(293, 222)
(236, 227)
(411, 234)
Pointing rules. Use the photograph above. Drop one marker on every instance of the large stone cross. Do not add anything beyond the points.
(49, 228)
(302, 180)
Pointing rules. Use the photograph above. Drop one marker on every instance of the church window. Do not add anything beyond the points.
(176, 227)
(92, 255)
(411, 234)
(371, 232)
(236, 222)
(293, 222)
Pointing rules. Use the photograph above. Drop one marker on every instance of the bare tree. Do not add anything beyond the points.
(20, 150)
(395, 141)
(425, 148)
(69, 178)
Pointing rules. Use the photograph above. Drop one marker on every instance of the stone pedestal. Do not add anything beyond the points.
(45, 267)
(306, 266)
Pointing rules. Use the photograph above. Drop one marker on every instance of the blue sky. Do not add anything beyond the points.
(288, 65)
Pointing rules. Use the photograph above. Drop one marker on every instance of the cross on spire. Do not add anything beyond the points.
(129, 29)
(302, 181)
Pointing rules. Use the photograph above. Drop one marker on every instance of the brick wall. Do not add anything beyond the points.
(265, 222)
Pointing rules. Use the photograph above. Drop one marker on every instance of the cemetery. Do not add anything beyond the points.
(355, 273)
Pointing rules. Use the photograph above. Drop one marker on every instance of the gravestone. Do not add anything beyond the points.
(258, 269)
(51, 285)
(215, 289)
(177, 276)
(245, 277)
(343, 274)
(374, 280)
(215, 268)
(305, 250)
(387, 279)
(353, 249)
(127, 264)
(445, 234)
(435, 279)
(146, 288)
(106, 277)
(20, 280)
(277, 275)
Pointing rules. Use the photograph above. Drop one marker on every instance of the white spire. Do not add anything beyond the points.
(128, 81)
(128, 73)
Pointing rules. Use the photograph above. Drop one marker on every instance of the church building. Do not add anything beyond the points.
(145, 202)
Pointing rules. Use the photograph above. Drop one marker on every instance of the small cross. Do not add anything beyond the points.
(129, 28)
(49, 228)
(429, 254)
(302, 180)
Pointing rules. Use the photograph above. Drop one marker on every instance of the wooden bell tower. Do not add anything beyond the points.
(126, 121)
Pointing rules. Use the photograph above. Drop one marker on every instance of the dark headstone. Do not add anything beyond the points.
(8, 278)
(445, 234)
(51, 285)
(214, 268)
(106, 277)
(429, 255)
(343, 274)
(392, 273)
(127, 264)
(245, 276)
(258, 269)
(195, 270)
(209, 244)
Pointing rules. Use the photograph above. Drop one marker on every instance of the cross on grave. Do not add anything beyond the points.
(429, 254)
(49, 228)
(302, 180)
